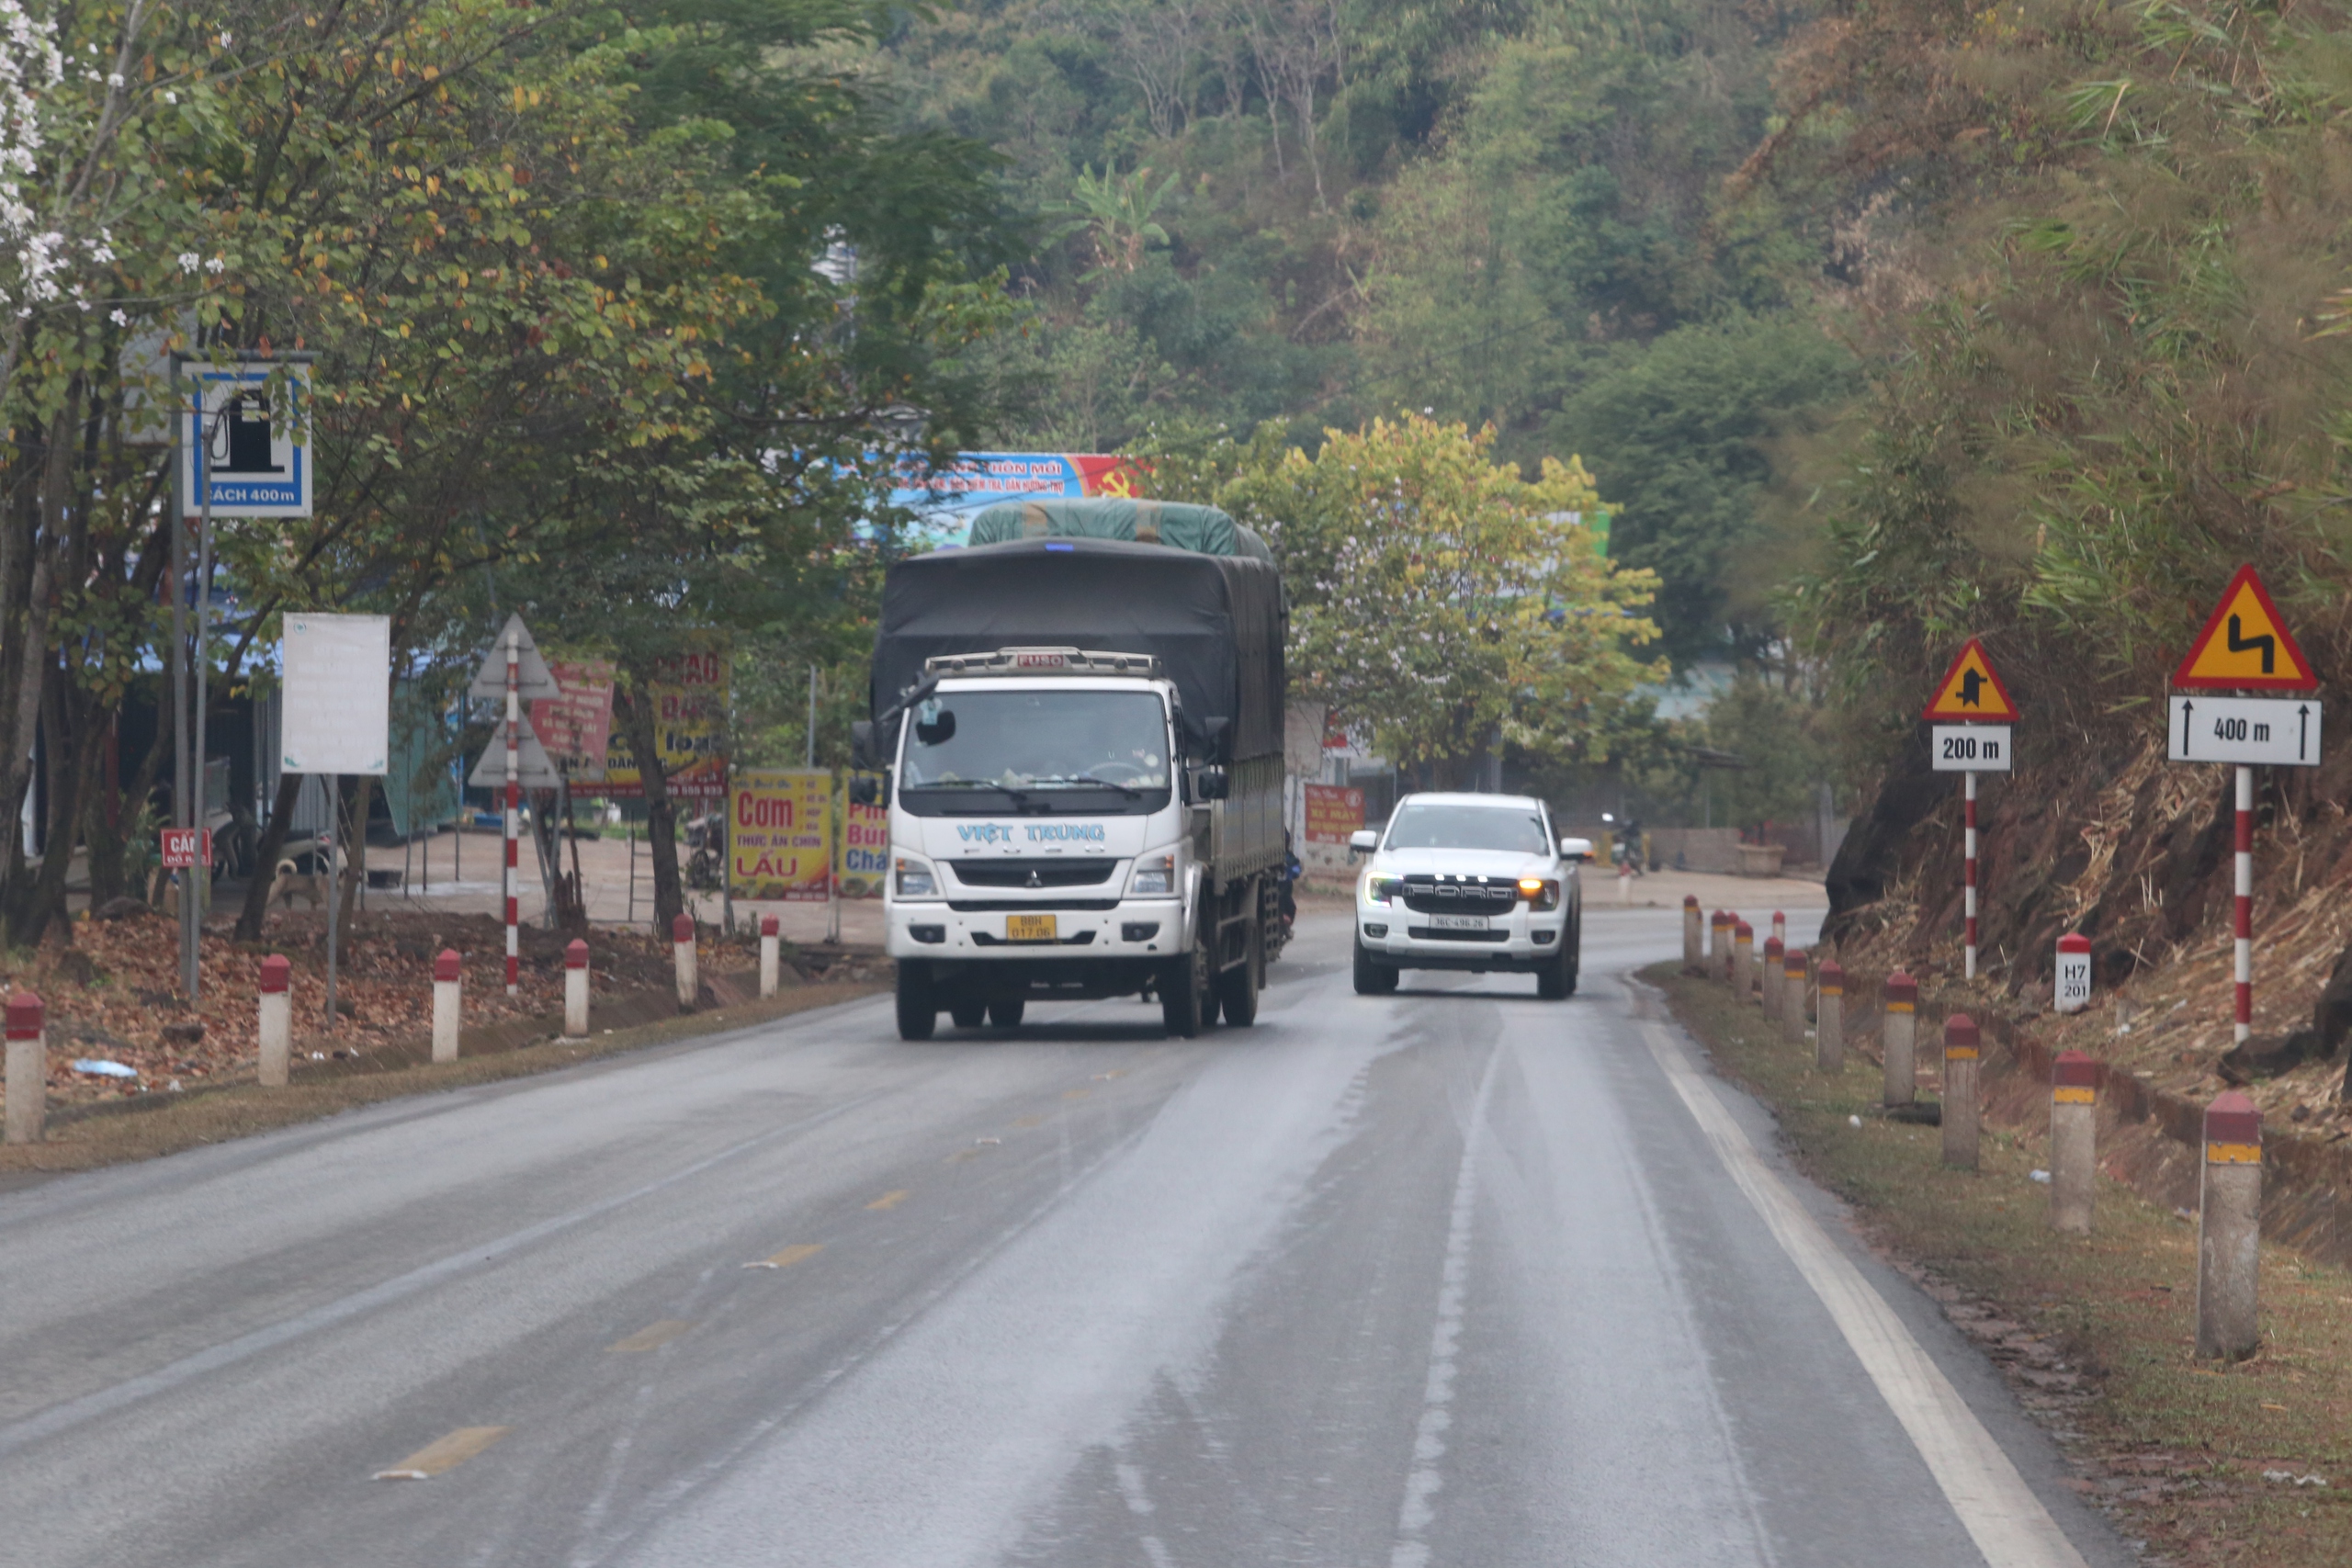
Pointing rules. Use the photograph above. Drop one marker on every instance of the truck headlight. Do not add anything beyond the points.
(916, 879)
(1540, 893)
(1154, 876)
(1383, 889)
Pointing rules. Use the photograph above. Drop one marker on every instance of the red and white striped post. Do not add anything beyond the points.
(2242, 916)
(449, 1003)
(1829, 1023)
(274, 1021)
(575, 989)
(771, 955)
(513, 806)
(682, 953)
(1967, 893)
(27, 1068)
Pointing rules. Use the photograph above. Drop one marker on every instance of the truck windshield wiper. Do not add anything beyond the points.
(1018, 797)
(1128, 790)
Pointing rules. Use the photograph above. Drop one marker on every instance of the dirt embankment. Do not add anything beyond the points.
(2135, 853)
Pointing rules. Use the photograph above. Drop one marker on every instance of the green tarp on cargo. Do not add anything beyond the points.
(1201, 530)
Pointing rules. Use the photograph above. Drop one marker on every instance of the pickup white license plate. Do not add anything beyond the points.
(1458, 923)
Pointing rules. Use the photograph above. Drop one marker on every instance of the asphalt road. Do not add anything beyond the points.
(1454, 1277)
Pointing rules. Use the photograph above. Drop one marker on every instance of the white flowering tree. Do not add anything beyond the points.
(1444, 600)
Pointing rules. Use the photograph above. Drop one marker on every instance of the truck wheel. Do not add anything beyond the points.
(1373, 979)
(968, 1015)
(1005, 1015)
(918, 1014)
(1556, 981)
(1237, 988)
(1186, 1004)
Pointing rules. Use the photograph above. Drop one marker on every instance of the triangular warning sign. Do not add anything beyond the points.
(533, 770)
(1971, 691)
(533, 678)
(2245, 645)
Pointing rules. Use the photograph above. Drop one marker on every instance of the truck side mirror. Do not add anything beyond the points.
(869, 791)
(1212, 783)
(1363, 841)
(1575, 848)
(861, 749)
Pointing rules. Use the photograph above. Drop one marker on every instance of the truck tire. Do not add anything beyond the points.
(1556, 981)
(1005, 1015)
(918, 1014)
(1237, 988)
(1187, 1005)
(1373, 979)
(969, 1015)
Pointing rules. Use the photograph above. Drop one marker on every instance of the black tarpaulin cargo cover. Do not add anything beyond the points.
(1216, 622)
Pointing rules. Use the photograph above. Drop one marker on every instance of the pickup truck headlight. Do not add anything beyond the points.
(916, 879)
(1154, 875)
(1383, 889)
(1539, 892)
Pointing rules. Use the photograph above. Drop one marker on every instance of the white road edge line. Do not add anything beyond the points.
(2001, 1515)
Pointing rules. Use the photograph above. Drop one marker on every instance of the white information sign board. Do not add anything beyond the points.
(1970, 748)
(246, 432)
(2282, 731)
(338, 707)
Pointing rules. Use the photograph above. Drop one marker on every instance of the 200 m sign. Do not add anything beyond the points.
(1970, 748)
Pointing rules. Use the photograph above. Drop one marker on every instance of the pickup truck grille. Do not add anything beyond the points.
(1460, 896)
(1024, 872)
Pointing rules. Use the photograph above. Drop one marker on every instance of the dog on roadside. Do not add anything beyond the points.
(290, 885)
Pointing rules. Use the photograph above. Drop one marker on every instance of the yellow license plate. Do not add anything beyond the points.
(1029, 928)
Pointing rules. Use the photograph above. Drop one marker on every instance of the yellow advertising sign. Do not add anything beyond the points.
(863, 859)
(690, 715)
(779, 835)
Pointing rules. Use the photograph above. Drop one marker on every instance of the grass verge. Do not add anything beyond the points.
(2206, 1465)
(163, 1127)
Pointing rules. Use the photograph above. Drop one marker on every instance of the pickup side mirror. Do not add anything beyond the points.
(869, 791)
(1212, 783)
(1364, 840)
(860, 750)
(1575, 848)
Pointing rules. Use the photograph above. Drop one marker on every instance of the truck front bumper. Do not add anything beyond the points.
(1126, 929)
(1526, 940)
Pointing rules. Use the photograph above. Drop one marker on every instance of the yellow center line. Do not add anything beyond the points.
(1029, 1122)
(444, 1453)
(1076, 1093)
(889, 1200)
(789, 1256)
(653, 1336)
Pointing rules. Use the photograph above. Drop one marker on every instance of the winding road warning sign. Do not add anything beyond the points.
(2245, 645)
(1971, 692)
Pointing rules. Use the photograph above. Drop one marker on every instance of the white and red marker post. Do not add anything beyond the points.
(2245, 645)
(1970, 719)
(513, 804)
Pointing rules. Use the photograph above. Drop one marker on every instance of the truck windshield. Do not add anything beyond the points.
(1057, 750)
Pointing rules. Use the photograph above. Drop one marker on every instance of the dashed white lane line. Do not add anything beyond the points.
(1421, 1485)
(2001, 1515)
(1131, 1487)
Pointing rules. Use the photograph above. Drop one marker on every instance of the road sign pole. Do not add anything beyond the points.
(181, 815)
(2243, 926)
(1967, 893)
(513, 801)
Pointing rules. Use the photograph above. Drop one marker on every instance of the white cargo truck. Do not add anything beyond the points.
(1083, 745)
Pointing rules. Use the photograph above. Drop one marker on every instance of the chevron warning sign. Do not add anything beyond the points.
(1971, 691)
(2245, 645)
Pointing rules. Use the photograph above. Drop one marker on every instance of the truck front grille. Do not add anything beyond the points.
(1033, 872)
(1460, 894)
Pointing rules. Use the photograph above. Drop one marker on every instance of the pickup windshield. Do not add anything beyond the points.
(1055, 752)
(1434, 826)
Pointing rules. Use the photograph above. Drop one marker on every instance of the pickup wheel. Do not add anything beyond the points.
(1556, 981)
(1187, 1005)
(1373, 979)
(918, 1013)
